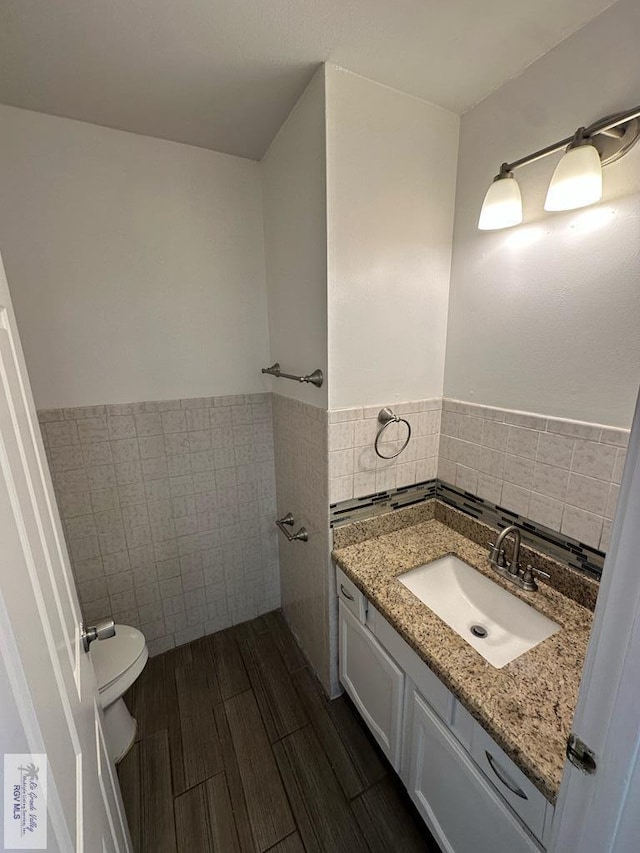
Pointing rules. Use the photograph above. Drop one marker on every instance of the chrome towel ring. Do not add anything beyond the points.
(386, 417)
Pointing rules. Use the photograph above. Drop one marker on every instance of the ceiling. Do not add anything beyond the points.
(223, 74)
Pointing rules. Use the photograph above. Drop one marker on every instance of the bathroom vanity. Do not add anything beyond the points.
(480, 749)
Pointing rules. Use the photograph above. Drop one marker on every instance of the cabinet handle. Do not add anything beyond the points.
(510, 785)
(345, 593)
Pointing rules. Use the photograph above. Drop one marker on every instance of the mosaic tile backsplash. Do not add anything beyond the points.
(168, 511)
(437, 493)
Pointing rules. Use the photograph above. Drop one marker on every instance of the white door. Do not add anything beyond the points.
(599, 813)
(374, 682)
(52, 706)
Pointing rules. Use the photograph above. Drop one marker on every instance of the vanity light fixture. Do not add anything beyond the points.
(577, 180)
(502, 206)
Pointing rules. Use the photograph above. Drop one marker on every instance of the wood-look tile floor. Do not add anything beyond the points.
(239, 750)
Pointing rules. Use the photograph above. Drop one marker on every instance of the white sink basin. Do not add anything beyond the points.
(472, 604)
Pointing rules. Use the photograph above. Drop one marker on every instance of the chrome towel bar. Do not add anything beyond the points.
(316, 378)
(288, 520)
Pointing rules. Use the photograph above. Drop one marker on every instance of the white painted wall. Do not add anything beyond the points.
(136, 265)
(545, 316)
(294, 203)
(391, 166)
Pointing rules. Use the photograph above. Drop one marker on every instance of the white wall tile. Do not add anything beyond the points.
(341, 488)
(386, 478)
(410, 453)
(446, 447)
(447, 470)
(588, 493)
(340, 463)
(556, 450)
(618, 468)
(341, 435)
(523, 442)
(594, 460)
(467, 454)
(515, 498)
(450, 423)
(60, 433)
(339, 415)
(466, 478)
(426, 469)
(148, 423)
(576, 429)
(612, 501)
(154, 469)
(197, 419)
(550, 481)
(524, 419)
(549, 463)
(470, 429)
(610, 435)
(425, 446)
(489, 488)
(429, 422)
(545, 510)
(584, 526)
(457, 406)
(118, 503)
(491, 462)
(123, 426)
(518, 471)
(495, 435)
(92, 430)
(174, 421)
(406, 473)
(364, 484)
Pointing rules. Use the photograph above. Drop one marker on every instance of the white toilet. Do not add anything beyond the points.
(118, 661)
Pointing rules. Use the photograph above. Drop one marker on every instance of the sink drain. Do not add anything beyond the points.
(479, 631)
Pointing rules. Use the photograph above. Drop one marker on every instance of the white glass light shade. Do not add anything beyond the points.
(577, 180)
(502, 205)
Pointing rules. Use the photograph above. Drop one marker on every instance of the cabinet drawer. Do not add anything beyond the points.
(464, 812)
(350, 596)
(510, 782)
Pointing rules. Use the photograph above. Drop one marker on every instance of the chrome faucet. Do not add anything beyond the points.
(525, 579)
(514, 566)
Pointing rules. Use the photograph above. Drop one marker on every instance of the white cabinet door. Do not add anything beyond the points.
(374, 682)
(462, 811)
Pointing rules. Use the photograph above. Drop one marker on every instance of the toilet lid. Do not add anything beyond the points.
(114, 656)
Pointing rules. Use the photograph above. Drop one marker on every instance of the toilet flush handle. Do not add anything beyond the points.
(100, 631)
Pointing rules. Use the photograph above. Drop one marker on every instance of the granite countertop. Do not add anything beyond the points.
(528, 705)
